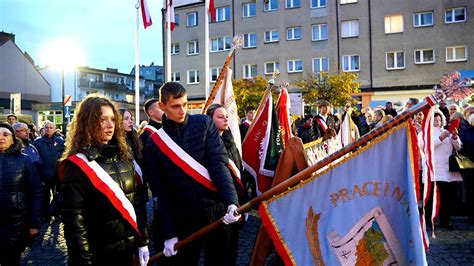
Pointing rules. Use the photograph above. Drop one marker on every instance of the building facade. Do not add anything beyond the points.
(398, 48)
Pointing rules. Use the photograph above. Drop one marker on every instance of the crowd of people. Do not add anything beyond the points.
(96, 181)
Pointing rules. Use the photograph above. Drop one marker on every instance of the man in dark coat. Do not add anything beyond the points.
(185, 202)
(324, 120)
(50, 149)
(245, 125)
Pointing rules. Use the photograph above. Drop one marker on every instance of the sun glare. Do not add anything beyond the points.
(62, 54)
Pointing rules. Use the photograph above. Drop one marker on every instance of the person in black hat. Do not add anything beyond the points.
(20, 198)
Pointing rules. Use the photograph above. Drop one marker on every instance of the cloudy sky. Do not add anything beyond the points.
(103, 29)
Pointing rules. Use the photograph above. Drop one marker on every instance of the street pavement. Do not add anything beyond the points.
(450, 247)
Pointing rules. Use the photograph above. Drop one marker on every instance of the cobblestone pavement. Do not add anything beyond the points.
(450, 247)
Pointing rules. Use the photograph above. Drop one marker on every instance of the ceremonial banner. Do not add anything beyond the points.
(360, 211)
(349, 131)
(262, 145)
(283, 111)
(225, 97)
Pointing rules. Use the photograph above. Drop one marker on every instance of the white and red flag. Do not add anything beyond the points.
(225, 97)
(283, 113)
(212, 10)
(145, 14)
(169, 9)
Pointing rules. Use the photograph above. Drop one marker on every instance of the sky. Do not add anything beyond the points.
(104, 30)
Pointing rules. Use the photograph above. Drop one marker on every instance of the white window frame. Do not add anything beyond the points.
(390, 18)
(175, 76)
(269, 32)
(247, 71)
(350, 68)
(422, 61)
(247, 8)
(353, 26)
(395, 60)
(194, 43)
(275, 65)
(320, 32)
(291, 32)
(455, 58)
(291, 66)
(453, 11)
(214, 72)
(292, 4)
(221, 14)
(248, 40)
(343, 2)
(224, 43)
(192, 19)
(270, 5)
(318, 4)
(196, 76)
(417, 19)
(175, 48)
(320, 61)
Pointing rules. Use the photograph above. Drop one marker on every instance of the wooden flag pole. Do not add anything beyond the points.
(303, 175)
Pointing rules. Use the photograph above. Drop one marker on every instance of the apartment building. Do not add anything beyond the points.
(398, 48)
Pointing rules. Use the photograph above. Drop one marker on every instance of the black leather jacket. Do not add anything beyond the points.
(21, 197)
(183, 203)
(93, 227)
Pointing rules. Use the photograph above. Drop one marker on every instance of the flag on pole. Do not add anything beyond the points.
(145, 14)
(283, 111)
(225, 97)
(356, 212)
(212, 10)
(262, 145)
(349, 131)
(169, 9)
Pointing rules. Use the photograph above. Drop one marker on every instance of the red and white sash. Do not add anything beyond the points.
(182, 159)
(150, 129)
(322, 124)
(236, 171)
(138, 173)
(105, 184)
(247, 122)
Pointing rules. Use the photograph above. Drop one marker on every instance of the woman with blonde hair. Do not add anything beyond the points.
(104, 217)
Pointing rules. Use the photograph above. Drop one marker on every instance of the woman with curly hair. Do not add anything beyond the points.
(131, 135)
(104, 217)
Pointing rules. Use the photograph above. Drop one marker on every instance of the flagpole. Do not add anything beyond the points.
(137, 70)
(168, 42)
(206, 48)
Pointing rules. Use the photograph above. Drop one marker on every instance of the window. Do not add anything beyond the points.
(270, 67)
(220, 44)
(350, 63)
(176, 20)
(455, 15)
(293, 3)
(348, 1)
(193, 76)
(272, 36)
(270, 5)
(319, 32)
(174, 48)
(215, 73)
(250, 71)
(424, 56)
(293, 33)
(250, 40)
(320, 64)
(350, 28)
(456, 53)
(249, 9)
(395, 60)
(222, 13)
(393, 24)
(423, 19)
(318, 3)
(295, 66)
(193, 47)
(191, 19)
(175, 76)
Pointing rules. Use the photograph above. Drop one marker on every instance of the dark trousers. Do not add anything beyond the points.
(10, 257)
(448, 195)
(50, 206)
(468, 178)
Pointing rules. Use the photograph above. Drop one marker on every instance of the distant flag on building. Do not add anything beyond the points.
(356, 212)
(283, 112)
(169, 7)
(262, 145)
(212, 10)
(225, 97)
(145, 14)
